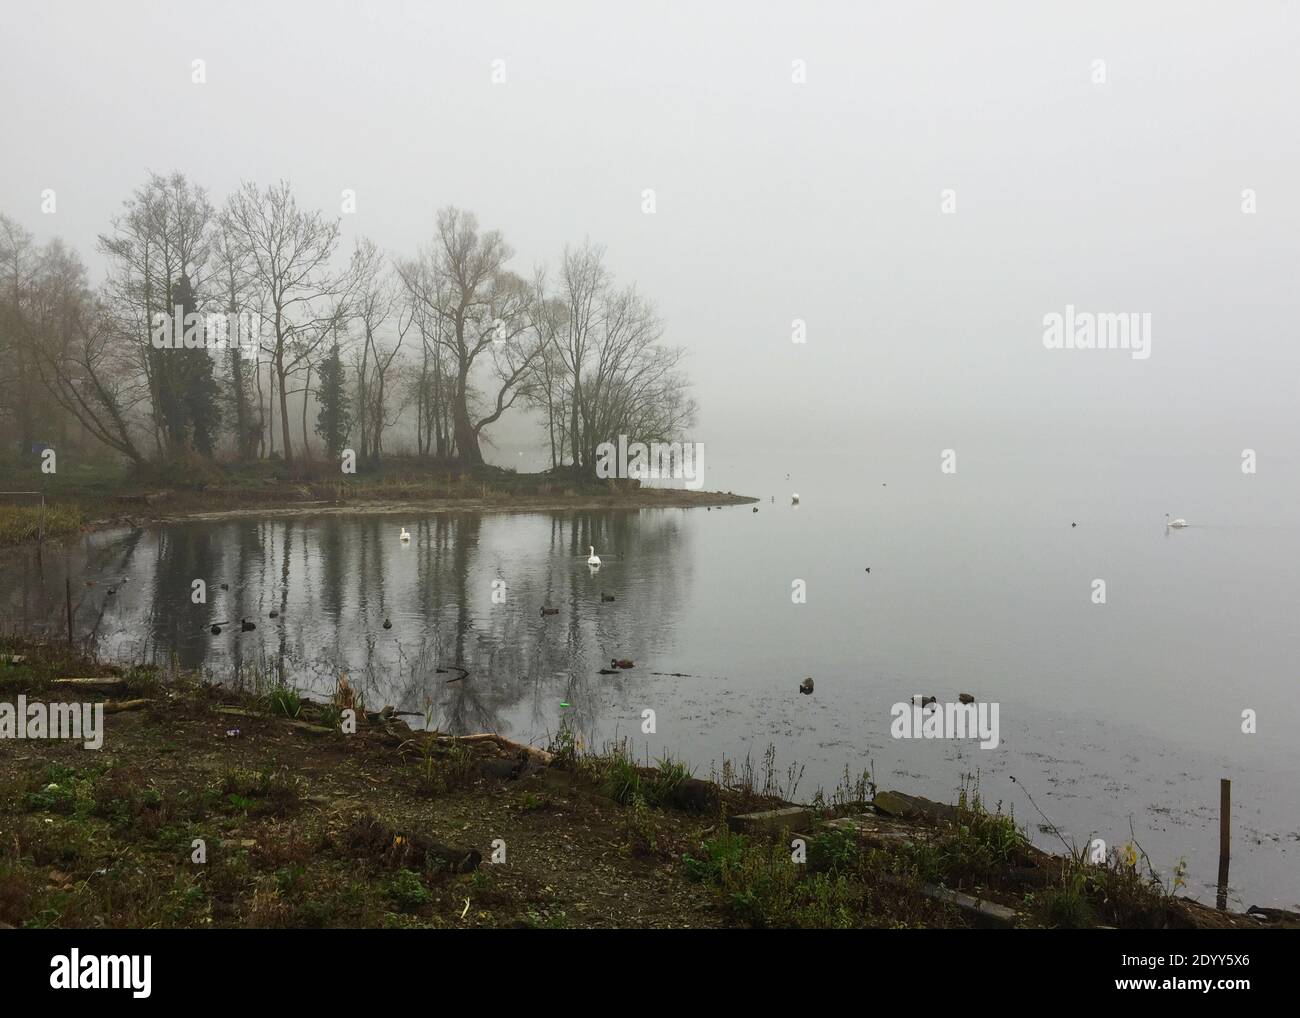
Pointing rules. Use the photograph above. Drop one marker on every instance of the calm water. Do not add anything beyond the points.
(1110, 715)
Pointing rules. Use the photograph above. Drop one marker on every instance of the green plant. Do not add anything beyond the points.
(284, 701)
(407, 891)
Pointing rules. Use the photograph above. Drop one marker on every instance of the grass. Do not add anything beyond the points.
(22, 523)
(323, 830)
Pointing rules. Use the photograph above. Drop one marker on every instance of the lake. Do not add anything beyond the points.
(1115, 715)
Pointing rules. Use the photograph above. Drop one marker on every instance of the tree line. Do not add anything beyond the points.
(437, 345)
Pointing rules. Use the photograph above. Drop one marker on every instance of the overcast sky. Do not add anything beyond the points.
(775, 200)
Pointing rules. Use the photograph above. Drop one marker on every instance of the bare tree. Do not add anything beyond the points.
(604, 373)
(462, 279)
(79, 354)
(288, 253)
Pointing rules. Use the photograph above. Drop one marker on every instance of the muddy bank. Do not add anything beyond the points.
(211, 807)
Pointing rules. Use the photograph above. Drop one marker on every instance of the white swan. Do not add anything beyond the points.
(404, 535)
(593, 559)
(1180, 522)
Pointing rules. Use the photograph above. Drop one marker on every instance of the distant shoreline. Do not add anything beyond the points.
(93, 501)
(644, 498)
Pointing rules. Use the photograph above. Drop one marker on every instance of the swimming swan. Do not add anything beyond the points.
(1180, 522)
(404, 535)
(593, 559)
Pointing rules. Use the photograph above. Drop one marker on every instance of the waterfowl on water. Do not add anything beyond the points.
(225, 586)
(621, 662)
(274, 613)
(1180, 522)
(868, 569)
(388, 623)
(593, 559)
(925, 701)
(247, 626)
(606, 597)
(794, 498)
(806, 686)
(215, 630)
(965, 698)
(404, 536)
(550, 611)
(755, 508)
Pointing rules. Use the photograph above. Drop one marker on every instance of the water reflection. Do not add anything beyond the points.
(466, 592)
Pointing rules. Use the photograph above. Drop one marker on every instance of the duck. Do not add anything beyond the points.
(965, 698)
(620, 662)
(755, 508)
(388, 623)
(868, 569)
(550, 611)
(806, 686)
(794, 498)
(404, 536)
(215, 630)
(592, 559)
(925, 701)
(606, 597)
(247, 626)
(225, 586)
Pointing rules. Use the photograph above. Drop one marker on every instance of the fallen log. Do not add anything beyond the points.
(539, 755)
(118, 706)
(97, 685)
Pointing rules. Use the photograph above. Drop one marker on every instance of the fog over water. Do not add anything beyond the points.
(946, 177)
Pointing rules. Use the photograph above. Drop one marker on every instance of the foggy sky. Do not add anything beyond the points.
(775, 200)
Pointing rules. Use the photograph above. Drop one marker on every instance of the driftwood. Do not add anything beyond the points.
(539, 756)
(98, 685)
(118, 706)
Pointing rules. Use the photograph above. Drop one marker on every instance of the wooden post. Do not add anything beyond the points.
(67, 593)
(1225, 823)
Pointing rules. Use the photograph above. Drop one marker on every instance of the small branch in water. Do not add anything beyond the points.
(464, 673)
(1055, 830)
(677, 675)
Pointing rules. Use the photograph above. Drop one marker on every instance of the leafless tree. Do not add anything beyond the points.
(288, 253)
(462, 279)
(80, 354)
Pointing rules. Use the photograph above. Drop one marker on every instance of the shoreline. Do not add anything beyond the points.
(389, 826)
(300, 501)
(652, 498)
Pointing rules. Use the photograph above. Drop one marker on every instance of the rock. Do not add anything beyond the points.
(872, 831)
(984, 914)
(772, 821)
(912, 807)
